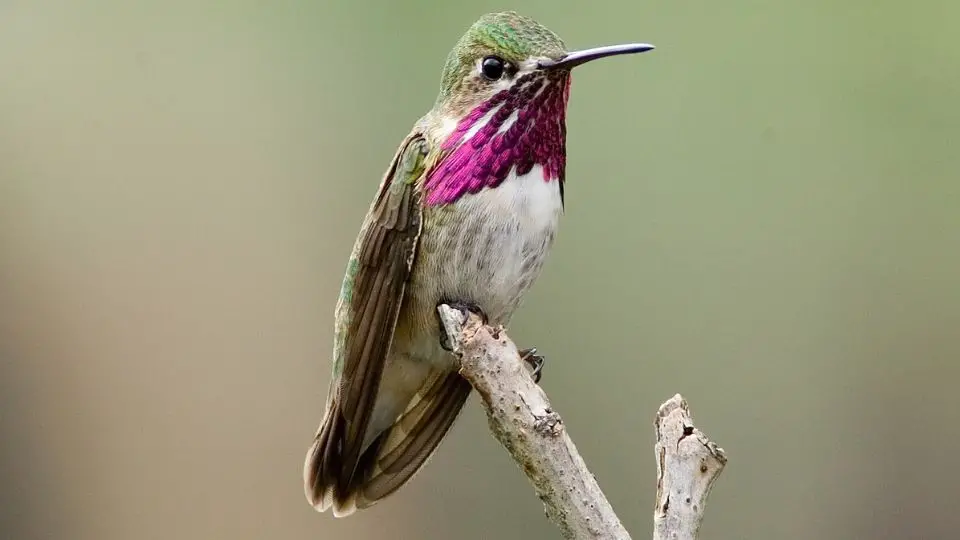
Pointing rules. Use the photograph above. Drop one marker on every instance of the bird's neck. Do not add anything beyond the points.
(511, 132)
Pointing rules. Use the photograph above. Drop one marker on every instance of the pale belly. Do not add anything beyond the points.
(486, 249)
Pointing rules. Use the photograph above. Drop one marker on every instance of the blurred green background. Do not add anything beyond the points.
(763, 214)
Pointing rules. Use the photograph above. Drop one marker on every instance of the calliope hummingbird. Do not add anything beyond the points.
(464, 215)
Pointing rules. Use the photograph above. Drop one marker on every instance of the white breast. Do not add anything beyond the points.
(502, 242)
(534, 201)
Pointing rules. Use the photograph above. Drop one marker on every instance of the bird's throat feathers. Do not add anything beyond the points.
(515, 129)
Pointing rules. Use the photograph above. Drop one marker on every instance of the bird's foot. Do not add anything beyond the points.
(463, 307)
(535, 361)
(467, 308)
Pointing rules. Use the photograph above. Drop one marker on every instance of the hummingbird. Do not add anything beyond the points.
(465, 215)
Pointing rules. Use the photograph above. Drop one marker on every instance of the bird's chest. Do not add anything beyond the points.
(488, 247)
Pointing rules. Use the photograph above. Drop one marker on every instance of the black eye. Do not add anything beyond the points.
(493, 67)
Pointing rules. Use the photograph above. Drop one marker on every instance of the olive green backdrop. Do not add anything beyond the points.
(762, 214)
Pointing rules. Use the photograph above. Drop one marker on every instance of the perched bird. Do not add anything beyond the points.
(465, 215)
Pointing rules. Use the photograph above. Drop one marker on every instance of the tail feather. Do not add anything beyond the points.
(391, 459)
(323, 461)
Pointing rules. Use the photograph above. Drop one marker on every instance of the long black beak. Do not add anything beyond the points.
(576, 58)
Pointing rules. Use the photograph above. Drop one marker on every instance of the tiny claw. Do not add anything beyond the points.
(535, 361)
(445, 340)
(467, 308)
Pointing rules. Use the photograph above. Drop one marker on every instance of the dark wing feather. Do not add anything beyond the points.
(369, 305)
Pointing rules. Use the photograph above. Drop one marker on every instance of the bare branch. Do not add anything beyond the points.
(521, 418)
(688, 463)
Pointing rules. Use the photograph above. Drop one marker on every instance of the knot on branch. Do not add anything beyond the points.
(549, 423)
